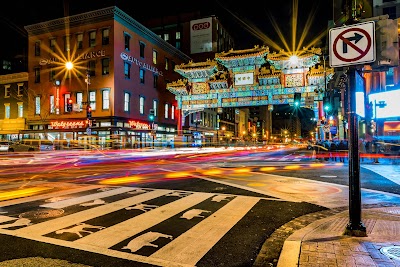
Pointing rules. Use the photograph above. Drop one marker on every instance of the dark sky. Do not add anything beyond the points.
(248, 21)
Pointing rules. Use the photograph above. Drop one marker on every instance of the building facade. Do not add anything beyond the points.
(116, 78)
(200, 36)
(13, 104)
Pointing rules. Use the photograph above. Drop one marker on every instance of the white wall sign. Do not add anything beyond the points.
(201, 35)
(244, 78)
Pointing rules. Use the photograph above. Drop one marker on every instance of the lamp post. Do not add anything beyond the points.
(88, 107)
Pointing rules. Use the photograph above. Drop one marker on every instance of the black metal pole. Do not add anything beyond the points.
(355, 227)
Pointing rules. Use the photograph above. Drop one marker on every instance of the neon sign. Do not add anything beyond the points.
(93, 54)
(141, 64)
(139, 125)
(67, 124)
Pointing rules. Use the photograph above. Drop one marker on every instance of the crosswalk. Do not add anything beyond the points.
(156, 226)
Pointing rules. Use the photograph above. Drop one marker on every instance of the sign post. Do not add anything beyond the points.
(350, 46)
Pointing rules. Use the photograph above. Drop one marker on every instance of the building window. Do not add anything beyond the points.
(92, 67)
(79, 99)
(67, 45)
(52, 74)
(79, 40)
(141, 105)
(92, 100)
(37, 75)
(127, 40)
(105, 40)
(7, 110)
(52, 104)
(105, 66)
(142, 75)
(178, 35)
(166, 111)
(127, 98)
(66, 97)
(173, 112)
(142, 46)
(20, 109)
(178, 45)
(52, 44)
(37, 48)
(7, 91)
(166, 36)
(92, 38)
(20, 89)
(391, 11)
(127, 70)
(155, 107)
(37, 105)
(6, 64)
(106, 99)
(154, 57)
(166, 63)
(155, 80)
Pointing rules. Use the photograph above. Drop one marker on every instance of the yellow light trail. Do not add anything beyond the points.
(121, 180)
(22, 192)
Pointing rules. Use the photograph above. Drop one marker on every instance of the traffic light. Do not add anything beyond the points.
(387, 43)
(297, 99)
(327, 104)
(89, 112)
(151, 115)
(69, 105)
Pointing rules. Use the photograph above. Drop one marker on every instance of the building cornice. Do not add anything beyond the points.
(100, 15)
(14, 78)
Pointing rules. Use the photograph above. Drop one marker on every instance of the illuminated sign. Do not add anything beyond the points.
(139, 125)
(244, 78)
(385, 104)
(201, 36)
(141, 64)
(67, 124)
(93, 54)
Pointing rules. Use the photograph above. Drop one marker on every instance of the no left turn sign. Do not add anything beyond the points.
(352, 45)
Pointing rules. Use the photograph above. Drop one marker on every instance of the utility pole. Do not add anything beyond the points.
(355, 227)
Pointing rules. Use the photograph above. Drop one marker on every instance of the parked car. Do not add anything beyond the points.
(27, 145)
(4, 146)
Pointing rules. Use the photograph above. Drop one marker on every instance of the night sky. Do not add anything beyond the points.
(242, 19)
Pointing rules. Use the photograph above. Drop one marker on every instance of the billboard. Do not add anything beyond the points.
(385, 104)
(201, 35)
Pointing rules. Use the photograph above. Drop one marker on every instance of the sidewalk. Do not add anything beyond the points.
(323, 243)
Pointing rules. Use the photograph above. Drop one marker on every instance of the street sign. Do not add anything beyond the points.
(352, 45)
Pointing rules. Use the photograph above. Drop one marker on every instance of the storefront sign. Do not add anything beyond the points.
(141, 64)
(139, 125)
(67, 124)
(93, 54)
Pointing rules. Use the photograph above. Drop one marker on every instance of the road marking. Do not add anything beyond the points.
(192, 245)
(113, 235)
(83, 199)
(63, 222)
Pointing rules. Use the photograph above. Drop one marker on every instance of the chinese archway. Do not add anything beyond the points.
(251, 77)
